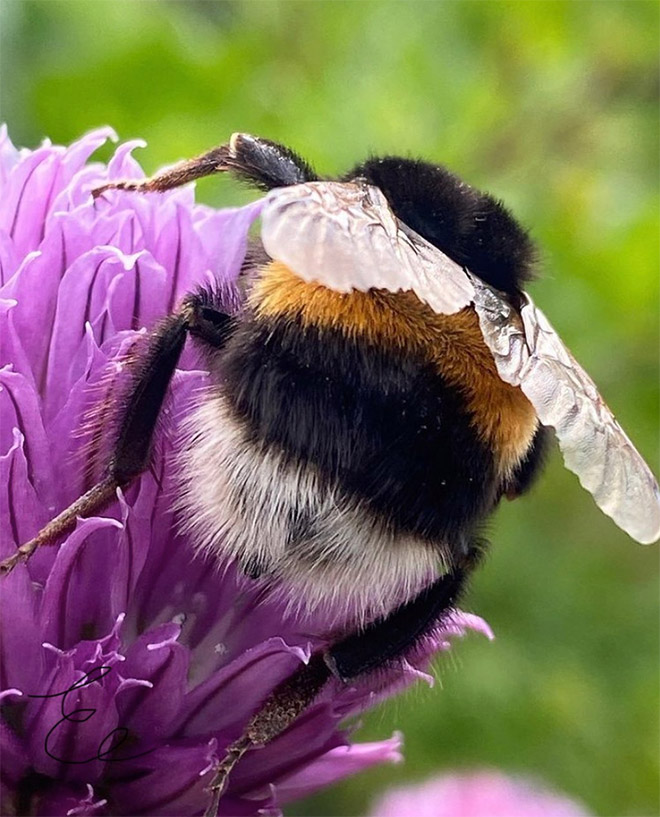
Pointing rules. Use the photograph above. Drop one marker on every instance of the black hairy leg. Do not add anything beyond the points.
(391, 636)
(379, 643)
(260, 162)
(277, 713)
(267, 164)
(151, 372)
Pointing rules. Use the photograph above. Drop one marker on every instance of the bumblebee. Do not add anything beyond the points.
(385, 384)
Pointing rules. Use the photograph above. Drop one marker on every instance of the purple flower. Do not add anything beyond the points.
(476, 794)
(128, 665)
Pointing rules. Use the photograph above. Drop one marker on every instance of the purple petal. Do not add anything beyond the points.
(72, 603)
(23, 660)
(33, 185)
(15, 760)
(20, 409)
(105, 289)
(178, 774)
(9, 156)
(159, 659)
(123, 165)
(35, 289)
(220, 703)
(21, 512)
(66, 732)
(8, 257)
(26, 198)
(12, 353)
(338, 763)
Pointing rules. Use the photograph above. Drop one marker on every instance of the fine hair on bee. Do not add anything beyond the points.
(383, 384)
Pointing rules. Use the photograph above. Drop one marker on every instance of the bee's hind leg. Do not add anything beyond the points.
(279, 711)
(378, 644)
(151, 371)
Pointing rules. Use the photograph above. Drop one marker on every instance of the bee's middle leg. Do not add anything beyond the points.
(151, 373)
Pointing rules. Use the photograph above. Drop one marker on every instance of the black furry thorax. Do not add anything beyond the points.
(472, 228)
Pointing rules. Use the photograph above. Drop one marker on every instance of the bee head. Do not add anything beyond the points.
(472, 228)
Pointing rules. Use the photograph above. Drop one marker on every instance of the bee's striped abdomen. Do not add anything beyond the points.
(348, 461)
(383, 426)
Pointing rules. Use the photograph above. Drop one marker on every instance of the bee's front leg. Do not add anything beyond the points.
(214, 161)
(263, 163)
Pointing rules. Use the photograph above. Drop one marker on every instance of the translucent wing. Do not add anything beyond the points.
(346, 237)
(528, 353)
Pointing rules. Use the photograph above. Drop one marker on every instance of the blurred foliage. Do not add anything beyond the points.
(554, 107)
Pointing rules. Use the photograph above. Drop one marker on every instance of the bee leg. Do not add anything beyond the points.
(384, 640)
(264, 163)
(267, 164)
(279, 711)
(96, 497)
(391, 636)
(152, 372)
(214, 161)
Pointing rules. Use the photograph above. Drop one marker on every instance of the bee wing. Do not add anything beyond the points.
(529, 353)
(345, 236)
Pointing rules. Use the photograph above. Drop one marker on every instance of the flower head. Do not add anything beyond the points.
(128, 664)
(476, 794)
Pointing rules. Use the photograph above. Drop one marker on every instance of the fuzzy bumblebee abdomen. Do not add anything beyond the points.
(385, 428)
(347, 468)
(289, 526)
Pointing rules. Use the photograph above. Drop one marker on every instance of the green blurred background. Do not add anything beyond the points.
(554, 107)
